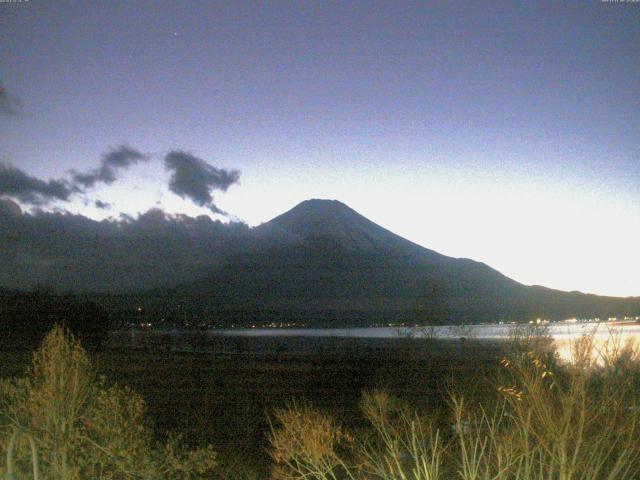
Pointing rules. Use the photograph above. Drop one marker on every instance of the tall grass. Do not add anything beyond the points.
(402, 444)
(545, 420)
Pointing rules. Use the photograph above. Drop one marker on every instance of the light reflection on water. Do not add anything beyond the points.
(559, 331)
(605, 338)
(564, 334)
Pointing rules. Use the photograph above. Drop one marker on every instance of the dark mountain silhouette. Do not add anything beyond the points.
(322, 263)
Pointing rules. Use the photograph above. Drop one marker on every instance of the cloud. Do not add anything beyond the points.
(117, 158)
(9, 105)
(19, 185)
(69, 251)
(195, 179)
(191, 177)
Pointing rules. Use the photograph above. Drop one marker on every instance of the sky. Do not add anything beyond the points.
(505, 132)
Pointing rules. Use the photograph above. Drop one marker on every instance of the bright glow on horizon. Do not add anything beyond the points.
(562, 237)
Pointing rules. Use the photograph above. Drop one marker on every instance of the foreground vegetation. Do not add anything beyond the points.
(544, 422)
(81, 427)
(452, 410)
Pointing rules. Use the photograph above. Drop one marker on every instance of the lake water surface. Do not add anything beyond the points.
(559, 331)
(604, 334)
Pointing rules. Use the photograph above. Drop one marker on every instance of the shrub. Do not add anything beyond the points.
(84, 428)
(304, 444)
(400, 445)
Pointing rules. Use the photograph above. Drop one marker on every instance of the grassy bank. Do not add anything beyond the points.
(246, 405)
(224, 399)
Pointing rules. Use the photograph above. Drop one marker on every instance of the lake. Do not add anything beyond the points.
(605, 334)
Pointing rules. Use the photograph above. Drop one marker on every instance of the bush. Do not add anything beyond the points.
(84, 428)
(305, 444)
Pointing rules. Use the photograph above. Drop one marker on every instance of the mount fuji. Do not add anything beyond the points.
(323, 264)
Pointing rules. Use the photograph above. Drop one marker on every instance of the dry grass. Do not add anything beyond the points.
(545, 421)
(83, 428)
(539, 419)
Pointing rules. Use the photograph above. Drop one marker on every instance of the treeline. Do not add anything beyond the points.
(26, 317)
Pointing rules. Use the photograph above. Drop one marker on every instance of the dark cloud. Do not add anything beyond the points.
(9, 105)
(72, 252)
(195, 179)
(118, 158)
(19, 185)
(191, 178)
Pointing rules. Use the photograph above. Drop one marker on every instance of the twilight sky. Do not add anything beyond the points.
(505, 132)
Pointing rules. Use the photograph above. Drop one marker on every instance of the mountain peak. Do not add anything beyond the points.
(319, 206)
(328, 219)
(333, 223)
(320, 202)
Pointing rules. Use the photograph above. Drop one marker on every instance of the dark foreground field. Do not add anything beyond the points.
(225, 399)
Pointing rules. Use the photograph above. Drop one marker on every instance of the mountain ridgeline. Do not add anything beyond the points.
(323, 264)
